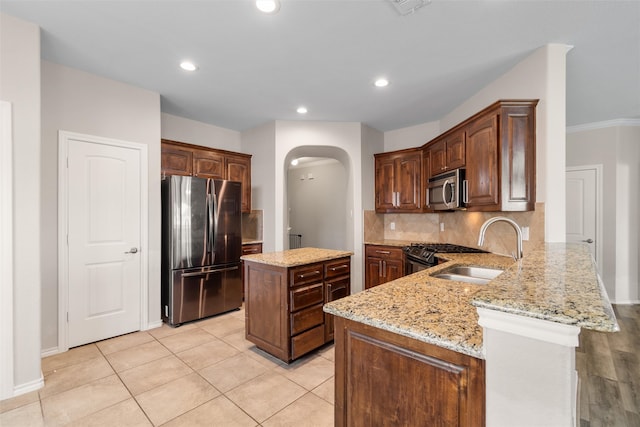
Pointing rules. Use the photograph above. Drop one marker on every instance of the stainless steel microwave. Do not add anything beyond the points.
(446, 191)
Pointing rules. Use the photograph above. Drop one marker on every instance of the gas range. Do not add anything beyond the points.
(424, 253)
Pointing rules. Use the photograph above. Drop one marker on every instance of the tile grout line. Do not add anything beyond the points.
(125, 384)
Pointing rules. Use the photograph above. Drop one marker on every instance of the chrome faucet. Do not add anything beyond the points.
(515, 226)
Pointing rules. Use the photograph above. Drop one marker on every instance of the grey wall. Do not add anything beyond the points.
(260, 142)
(617, 149)
(317, 205)
(20, 85)
(77, 101)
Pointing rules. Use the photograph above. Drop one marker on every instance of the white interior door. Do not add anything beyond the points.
(583, 207)
(104, 237)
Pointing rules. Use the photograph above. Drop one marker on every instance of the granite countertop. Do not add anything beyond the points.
(295, 257)
(384, 242)
(555, 282)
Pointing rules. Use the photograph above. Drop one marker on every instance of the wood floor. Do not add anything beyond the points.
(608, 365)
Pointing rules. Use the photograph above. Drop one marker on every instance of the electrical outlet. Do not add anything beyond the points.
(525, 233)
(442, 226)
(392, 225)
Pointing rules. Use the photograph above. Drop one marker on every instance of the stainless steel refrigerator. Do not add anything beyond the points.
(201, 248)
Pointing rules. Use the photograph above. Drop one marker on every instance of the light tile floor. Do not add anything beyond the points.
(201, 374)
(206, 374)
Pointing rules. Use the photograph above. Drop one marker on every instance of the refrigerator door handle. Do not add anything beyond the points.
(204, 273)
(214, 221)
(210, 213)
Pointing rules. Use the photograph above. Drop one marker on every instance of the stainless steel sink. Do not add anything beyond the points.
(462, 273)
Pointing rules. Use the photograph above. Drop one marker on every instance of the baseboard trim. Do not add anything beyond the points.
(629, 302)
(153, 325)
(49, 351)
(28, 386)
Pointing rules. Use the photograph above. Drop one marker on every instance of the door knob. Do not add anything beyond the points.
(588, 241)
(132, 251)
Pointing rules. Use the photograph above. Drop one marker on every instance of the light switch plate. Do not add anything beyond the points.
(525, 233)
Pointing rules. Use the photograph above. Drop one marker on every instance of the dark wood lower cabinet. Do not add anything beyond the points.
(385, 379)
(283, 305)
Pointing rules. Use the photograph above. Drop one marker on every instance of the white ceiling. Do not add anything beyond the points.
(324, 54)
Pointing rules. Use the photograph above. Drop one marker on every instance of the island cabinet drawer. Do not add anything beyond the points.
(306, 319)
(336, 268)
(306, 274)
(306, 296)
(307, 341)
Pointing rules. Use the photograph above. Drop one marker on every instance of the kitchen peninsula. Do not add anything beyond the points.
(421, 350)
(284, 295)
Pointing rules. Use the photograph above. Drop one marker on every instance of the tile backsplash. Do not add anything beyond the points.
(460, 227)
(252, 225)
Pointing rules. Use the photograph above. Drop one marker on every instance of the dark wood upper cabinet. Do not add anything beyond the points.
(398, 181)
(447, 153)
(208, 164)
(238, 168)
(178, 158)
(497, 148)
(482, 163)
(501, 158)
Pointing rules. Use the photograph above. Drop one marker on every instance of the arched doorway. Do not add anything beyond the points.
(318, 197)
(316, 203)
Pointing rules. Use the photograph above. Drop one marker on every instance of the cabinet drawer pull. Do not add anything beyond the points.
(383, 252)
(340, 267)
(315, 273)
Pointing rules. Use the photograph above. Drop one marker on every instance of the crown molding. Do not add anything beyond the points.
(602, 125)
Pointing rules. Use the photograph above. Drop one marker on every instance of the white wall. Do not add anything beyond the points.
(343, 138)
(373, 141)
(261, 143)
(20, 85)
(411, 137)
(317, 206)
(541, 75)
(617, 149)
(77, 101)
(198, 133)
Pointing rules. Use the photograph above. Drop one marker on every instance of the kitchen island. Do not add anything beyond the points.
(284, 295)
(510, 342)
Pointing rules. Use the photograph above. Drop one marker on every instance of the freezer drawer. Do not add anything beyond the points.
(198, 293)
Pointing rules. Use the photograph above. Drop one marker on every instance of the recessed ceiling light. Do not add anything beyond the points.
(268, 6)
(294, 162)
(302, 110)
(381, 82)
(188, 66)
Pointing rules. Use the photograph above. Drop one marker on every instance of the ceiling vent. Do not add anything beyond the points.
(406, 7)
